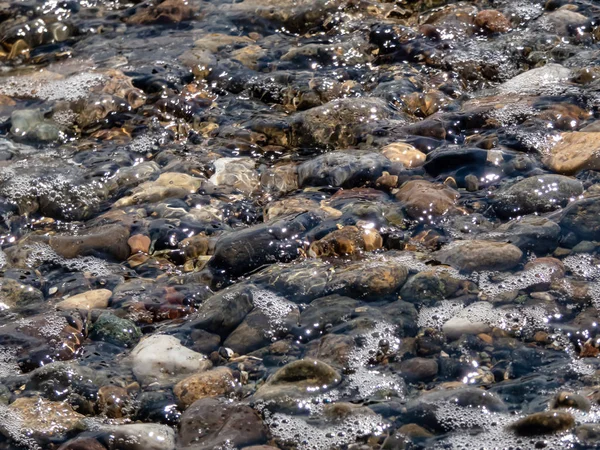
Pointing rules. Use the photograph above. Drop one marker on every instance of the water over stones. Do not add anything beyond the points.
(295, 209)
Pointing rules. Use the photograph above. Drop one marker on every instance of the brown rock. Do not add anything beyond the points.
(349, 240)
(554, 267)
(96, 299)
(589, 350)
(412, 430)
(195, 246)
(574, 152)
(404, 153)
(423, 199)
(110, 239)
(139, 243)
(486, 338)
(541, 337)
(546, 422)
(112, 400)
(570, 400)
(333, 348)
(475, 255)
(492, 21)
(45, 418)
(211, 383)
(387, 180)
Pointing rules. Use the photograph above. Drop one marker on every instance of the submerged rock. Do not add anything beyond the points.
(240, 252)
(538, 194)
(44, 419)
(109, 240)
(582, 218)
(538, 234)
(343, 169)
(347, 241)
(570, 400)
(210, 423)
(114, 330)
(139, 436)
(294, 381)
(475, 255)
(404, 153)
(339, 123)
(424, 200)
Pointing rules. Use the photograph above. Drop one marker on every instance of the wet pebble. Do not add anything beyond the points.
(115, 330)
(211, 383)
(547, 422)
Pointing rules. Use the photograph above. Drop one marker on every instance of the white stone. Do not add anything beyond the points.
(161, 358)
(458, 326)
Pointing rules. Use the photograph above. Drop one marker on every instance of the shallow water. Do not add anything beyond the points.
(299, 224)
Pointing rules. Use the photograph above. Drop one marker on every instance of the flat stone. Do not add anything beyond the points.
(404, 153)
(478, 255)
(574, 152)
(45, 418)
(96, 299)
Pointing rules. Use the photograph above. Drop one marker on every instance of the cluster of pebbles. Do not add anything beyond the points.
(299, 224)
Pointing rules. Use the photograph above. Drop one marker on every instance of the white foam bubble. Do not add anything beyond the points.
(275, 307)
(8, 362)
(583, 265)
(306, 436)
(11, 425)
(41, 253)
(46, 88)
